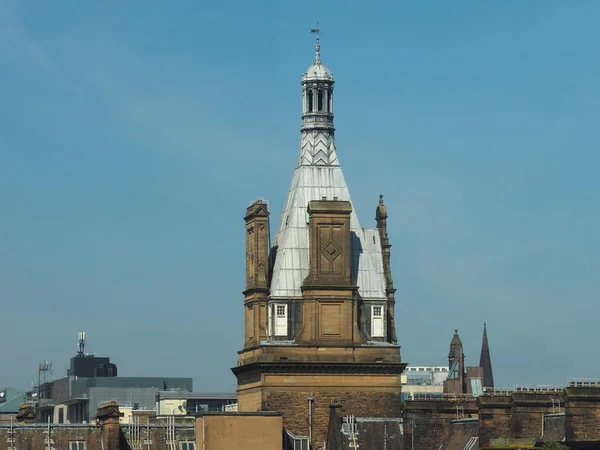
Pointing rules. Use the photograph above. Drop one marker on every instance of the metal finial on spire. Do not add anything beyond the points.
(317, 45)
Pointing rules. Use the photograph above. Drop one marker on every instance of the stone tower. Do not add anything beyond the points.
(319, 300)
(456, 382)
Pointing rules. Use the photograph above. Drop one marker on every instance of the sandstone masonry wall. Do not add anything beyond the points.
(295, 408)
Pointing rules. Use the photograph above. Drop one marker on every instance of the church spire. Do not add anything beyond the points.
(485, 361)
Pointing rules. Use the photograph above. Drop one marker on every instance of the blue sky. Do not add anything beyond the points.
(133, 134)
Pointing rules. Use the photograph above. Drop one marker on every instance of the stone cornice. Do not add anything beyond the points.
(259, 290)
(322, 368)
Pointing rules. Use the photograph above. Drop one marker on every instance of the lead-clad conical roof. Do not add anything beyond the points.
(318, 174)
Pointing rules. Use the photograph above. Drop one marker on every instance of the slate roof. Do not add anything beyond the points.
(14, 399)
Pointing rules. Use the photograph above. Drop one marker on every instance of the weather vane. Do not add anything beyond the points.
(317, 30)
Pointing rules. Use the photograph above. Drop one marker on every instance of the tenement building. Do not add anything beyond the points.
(319, 298)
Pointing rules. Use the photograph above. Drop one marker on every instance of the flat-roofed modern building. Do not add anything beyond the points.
(423, 382)
(191, 403)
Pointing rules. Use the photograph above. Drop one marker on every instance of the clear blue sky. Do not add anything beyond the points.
(133, 134)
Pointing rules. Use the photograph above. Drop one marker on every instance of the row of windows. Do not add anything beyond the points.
(427, 369)
(81, 445)
(420, 395)
(278, 325)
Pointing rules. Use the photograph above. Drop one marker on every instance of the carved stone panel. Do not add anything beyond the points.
(331, 245)
(330, 254)
(331, 320)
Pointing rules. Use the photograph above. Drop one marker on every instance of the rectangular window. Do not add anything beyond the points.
(377, 328)
(281, 320)
(301, 443)
(187, 446)
(77, 445)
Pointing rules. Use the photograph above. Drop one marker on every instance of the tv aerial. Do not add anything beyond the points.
(81, 343)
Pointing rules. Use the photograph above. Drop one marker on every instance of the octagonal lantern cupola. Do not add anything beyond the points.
(317, 94)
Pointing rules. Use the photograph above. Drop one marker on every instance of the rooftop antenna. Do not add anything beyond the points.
(81, 343)
(44, 367)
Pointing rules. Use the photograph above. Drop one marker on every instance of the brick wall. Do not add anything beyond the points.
(294, 406)
(157, 434)
(427, 423)
(527, 414)
(104, 434)
(582, 413)
(494, 418)
(517, 417)
(460, 434)
(374, 435)
(34, 436)
(554, 428)
(504, 419)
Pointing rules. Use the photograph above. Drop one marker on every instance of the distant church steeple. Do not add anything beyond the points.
(456, 381)
(485, 361)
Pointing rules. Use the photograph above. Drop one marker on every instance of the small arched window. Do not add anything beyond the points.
(320, 100)
(328, 101)
(309, 94)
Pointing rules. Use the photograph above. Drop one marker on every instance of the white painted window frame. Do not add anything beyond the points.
(280, 321)
(377, 322)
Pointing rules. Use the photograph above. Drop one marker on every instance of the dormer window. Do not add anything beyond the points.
(377, 329)
(277, 319)
(281, 320)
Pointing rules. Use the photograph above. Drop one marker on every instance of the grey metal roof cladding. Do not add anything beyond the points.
(318, 174)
